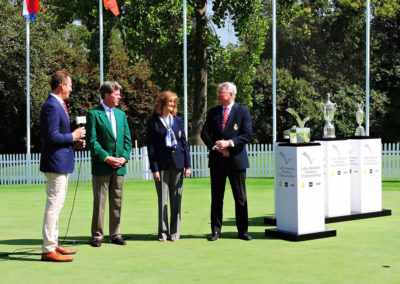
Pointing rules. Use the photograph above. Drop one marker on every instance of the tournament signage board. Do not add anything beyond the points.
(299, 188)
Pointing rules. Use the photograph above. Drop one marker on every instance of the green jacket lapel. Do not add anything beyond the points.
(104, 119)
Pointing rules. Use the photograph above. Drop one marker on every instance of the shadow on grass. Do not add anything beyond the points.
(23, 254)
(255, 221)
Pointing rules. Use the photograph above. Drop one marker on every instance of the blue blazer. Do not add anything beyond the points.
(160, 156)
(56, 137)
(238, 128)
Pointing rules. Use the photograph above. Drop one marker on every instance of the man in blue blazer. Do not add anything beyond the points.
(57, 161)
(226, 131)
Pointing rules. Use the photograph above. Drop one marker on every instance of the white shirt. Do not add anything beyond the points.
(111, 117)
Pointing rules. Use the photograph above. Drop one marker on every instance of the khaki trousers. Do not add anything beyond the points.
(113, 185)
(56, 189)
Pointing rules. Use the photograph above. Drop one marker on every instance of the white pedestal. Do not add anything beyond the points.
(299, 197)
(337, 180)
(366, 174)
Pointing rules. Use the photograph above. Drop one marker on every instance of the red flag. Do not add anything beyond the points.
(30, 7)
(112, 5)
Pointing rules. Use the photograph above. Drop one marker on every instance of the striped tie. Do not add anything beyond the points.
(226, 114)
(66, 110)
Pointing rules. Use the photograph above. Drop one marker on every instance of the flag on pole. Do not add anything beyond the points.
(29, 9)
(112, 5)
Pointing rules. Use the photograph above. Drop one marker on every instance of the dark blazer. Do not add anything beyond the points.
(160, 156)
(57, 140)
(238, 128)
(102, 143)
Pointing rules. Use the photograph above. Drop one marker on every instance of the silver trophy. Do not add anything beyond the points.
(299, 134)
(360, 118)
(329, 113)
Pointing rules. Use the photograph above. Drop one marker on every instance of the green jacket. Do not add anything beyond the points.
(102, 143)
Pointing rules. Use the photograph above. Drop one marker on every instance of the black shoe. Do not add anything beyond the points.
(245, 237)
(213, 237)
(95, 242)
(118, 240)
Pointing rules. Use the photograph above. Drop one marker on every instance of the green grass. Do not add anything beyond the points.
(356, 255)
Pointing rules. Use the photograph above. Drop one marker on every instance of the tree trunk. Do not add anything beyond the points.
(200, 84)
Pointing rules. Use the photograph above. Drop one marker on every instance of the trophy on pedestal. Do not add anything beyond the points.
(329, 113)
(299, 134)
(360, 118)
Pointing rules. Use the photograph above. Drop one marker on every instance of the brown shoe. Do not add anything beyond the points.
(64, 251)
(56, 257)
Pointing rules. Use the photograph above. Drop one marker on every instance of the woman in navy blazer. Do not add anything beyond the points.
(169, 158)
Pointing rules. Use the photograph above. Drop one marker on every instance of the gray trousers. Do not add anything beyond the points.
(113, 185)
(170, 182)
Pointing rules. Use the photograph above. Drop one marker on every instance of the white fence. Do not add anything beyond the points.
(16, 169)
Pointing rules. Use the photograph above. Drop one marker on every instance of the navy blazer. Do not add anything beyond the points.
(56, 137)
(160, 156)
(238, 128)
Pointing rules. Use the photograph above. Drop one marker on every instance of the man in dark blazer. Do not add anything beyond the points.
(109, 140)
(57, 161)
(226, 131)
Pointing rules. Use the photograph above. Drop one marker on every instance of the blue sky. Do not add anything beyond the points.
(226, 34)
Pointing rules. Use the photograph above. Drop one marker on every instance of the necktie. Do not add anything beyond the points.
(113, 126)
(226, 114)
(66, 110)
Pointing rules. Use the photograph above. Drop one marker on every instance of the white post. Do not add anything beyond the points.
(101, 40)
(274, 72)
(367, 90)
(28, 105)
(185, 111)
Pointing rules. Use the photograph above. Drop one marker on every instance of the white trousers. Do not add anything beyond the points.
(56, 189)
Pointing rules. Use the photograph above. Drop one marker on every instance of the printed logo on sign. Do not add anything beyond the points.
(369, 148)
(310, 160)
(284, 158)
(286, 184)
(370, 171)
(339, 173)
(310, 184)
(350, 171)
(280, 184)
(337, 150)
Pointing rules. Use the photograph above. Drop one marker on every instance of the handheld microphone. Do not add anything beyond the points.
(81, 118)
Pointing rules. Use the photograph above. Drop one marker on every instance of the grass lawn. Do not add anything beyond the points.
(364, 251)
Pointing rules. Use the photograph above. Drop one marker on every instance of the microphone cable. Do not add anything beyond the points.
(73, 203)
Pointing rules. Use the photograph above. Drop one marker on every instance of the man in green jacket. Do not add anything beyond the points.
(109, 140)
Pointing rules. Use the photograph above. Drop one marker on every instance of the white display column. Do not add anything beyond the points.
(337, 179)
(299, 188)
(366, 174)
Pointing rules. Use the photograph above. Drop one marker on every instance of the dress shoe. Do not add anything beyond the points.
(95, 242)
(118, 241)
(213, 237)
(245, 237)
(64, 251)
(55, 257)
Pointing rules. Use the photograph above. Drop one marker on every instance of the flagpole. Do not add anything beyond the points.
(101, 40)
(367, 66)
(28, 105)
(185, 121)
(274, 123)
